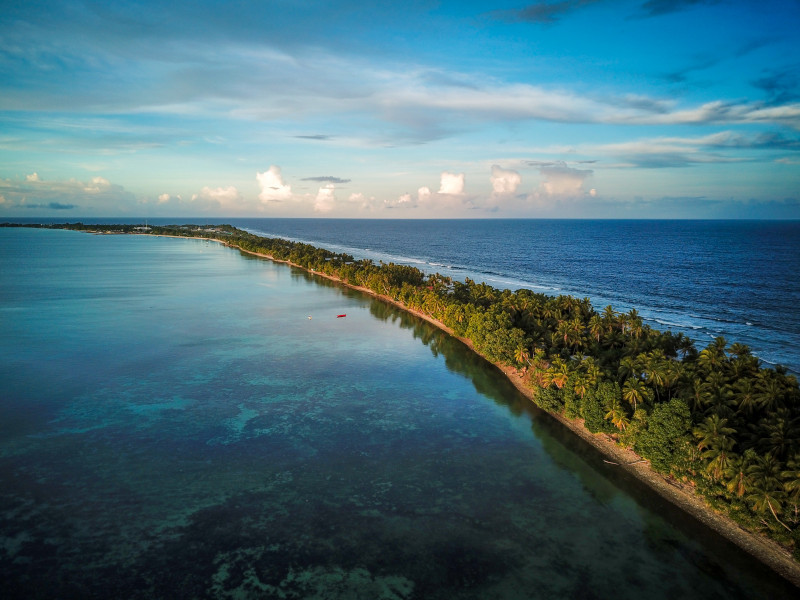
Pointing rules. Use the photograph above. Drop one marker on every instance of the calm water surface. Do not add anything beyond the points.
(172, 425)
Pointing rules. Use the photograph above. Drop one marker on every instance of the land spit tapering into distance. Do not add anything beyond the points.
(712, 430)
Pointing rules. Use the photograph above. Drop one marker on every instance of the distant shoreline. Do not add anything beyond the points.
(768, 552)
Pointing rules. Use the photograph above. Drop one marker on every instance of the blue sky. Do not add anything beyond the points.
(414, 109)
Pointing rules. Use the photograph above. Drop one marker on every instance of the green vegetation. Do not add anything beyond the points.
(715, 419)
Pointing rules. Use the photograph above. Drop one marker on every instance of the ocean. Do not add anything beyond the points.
(180, 420)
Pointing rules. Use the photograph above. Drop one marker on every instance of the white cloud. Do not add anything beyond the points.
(326, 198)
(222, 197)
(561, 180)
(273, 189)
(504, 181)
(404, 201)
(163, 198)
(423, 194)
(361, 201)
(452, 184)
(32, 178)
(97, 184)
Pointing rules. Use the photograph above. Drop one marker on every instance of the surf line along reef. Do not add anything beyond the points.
(712, 430)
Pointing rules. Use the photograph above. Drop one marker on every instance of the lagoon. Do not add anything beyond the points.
(173, 425)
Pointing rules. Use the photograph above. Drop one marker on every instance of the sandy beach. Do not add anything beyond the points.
(770, 553)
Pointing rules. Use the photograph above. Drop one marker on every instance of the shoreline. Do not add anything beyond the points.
(766, 551)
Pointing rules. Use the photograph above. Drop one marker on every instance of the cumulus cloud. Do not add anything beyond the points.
(273, 189)
(424, 194)
(361, 201)
(561, 180)
(452, 184)
(326, 199)
(96, 185)
(223, 197)
(404, 201)
(504, 181)
(163, 198)
(33, 177)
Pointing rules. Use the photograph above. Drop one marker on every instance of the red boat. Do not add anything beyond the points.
(340, 316)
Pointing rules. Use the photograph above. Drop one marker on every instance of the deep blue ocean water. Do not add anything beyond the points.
(173, 425)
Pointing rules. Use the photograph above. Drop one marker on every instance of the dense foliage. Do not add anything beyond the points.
(715, 418)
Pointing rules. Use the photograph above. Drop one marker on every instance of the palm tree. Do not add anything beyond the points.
(628, 367)
(609, 317)
(770, 391)
(767, 490)
(635, 323)
(592, 370)
(720, 394)
(744, 394)
(737, 479)
(712, 432)
(712, 358)
(699, 396)
(616, 414)
(581, 384)
(634, 391)
(684, 345)
(720, 457)
(782, 434)
(558, 373)
(791, 483)
(596, 327)
(656, 370)
(521, 355)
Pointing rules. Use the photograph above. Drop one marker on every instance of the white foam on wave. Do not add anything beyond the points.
(683, 325)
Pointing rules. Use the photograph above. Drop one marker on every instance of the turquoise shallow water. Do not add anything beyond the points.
(172, 425)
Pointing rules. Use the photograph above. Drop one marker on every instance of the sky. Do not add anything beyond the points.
(412, 109)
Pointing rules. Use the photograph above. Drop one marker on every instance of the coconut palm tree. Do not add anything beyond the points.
(791, 483)
(712, 432)
(767, 490)
(558, 373)
(635, 392)
(521, 355)
(616, 414)
(745, 396)
(609, 317)
(596, 327)
(720, 457)
(634, 323)
(736, 477)
(781, 434)
(698, 395)
(713, 356)
(628, 367)
(581, 384)
(655, 370)
(770, 390)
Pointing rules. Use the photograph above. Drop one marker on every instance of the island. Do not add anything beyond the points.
(712, 430)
